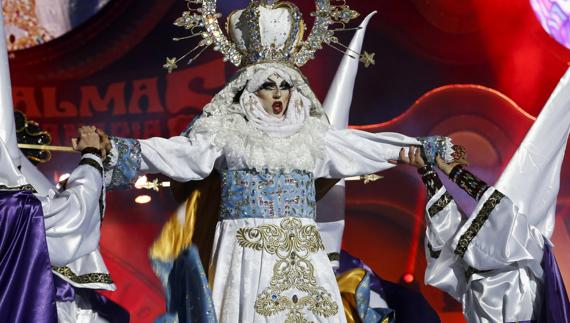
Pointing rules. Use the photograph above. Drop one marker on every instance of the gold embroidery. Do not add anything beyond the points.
(440, 204)
(432, 252)
(478, 222)
(293, 243)
(26, 187)
(94, 278)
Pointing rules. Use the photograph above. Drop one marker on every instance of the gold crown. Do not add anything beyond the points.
(265, 31)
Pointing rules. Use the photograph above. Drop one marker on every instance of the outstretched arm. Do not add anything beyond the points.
(180, 158)
(351, 152)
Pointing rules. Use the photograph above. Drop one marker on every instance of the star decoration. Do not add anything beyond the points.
(170, 64)
(368, 59)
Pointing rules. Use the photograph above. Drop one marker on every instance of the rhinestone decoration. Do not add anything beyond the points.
(202, 20)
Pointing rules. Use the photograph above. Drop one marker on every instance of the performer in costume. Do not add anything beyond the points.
(268, 137)
(50, 235)
(498, 262)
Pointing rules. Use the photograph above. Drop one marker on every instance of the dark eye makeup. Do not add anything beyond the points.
(271, 86)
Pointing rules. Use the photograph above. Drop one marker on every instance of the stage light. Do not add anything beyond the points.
(554, 16)
(64, 177)
(408, 278)
(141, 182)
(143, 199)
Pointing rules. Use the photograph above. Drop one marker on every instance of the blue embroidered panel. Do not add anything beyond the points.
(433, 146)
(126, 171)
(267, 194)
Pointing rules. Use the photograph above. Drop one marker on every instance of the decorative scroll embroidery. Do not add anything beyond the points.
(432, 182)
(293, 243)
(478, 222)
(440, 204)
(94, 278)
(26, 187)
(433, 253)
(468, 182)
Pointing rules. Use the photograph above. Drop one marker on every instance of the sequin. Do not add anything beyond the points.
(267, 194)
(128, 163)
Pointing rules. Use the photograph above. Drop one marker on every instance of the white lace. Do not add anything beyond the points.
(223, 102)
(247, 147)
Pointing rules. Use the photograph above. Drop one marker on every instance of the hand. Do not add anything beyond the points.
(106, 145)
(448, 167)
(413, 158)
(88, 138)
(460, 155)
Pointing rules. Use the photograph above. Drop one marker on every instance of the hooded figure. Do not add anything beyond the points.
(498, 262)
(50, 235)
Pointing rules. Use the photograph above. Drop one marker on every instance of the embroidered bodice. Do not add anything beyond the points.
(267, 194)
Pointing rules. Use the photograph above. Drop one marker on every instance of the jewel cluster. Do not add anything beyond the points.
(201, 19)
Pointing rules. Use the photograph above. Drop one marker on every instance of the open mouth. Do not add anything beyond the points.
(277, 107)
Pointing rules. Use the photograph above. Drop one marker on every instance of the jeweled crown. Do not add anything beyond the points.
(265, 31)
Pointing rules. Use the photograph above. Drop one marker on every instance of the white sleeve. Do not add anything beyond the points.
(445, 270)
(73, 215)
(350, 152)
(180, 158)
(497, 235)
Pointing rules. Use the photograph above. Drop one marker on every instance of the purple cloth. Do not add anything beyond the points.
(64, 292)
(27, 293)
(556, 308)
(104, 307)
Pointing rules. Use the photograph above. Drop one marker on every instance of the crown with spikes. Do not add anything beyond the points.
(265, 31)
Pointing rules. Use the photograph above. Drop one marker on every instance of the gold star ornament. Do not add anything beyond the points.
(368, 59)
(170, 64)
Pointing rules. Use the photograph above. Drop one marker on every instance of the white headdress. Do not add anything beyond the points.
(15, 170)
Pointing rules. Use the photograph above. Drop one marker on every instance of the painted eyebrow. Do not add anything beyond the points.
(269, 83)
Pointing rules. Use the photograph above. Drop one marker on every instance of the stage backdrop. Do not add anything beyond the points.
(478, 71)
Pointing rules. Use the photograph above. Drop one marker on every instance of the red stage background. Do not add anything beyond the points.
(476, 70)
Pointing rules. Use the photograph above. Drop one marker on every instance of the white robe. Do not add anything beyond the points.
(73, 227)
(238, 274)
(497, 277)
(507, 238)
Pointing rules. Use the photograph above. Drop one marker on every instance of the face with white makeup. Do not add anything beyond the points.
(274, 95)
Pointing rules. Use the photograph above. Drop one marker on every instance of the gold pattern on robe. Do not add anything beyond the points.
(92, 278)
(478, 222)
(292, 243)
